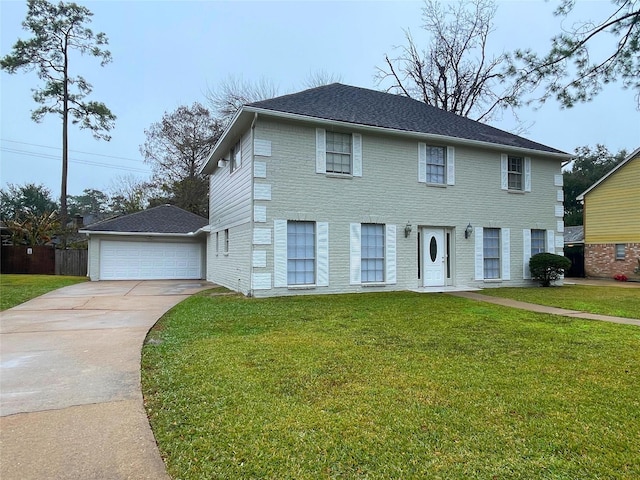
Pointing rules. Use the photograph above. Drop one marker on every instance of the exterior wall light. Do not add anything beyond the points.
(468, 231)
(407, 230)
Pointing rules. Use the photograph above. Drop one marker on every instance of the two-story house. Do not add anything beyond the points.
(612, 221)
(343, 189)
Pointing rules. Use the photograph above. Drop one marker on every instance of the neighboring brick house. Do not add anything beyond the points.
(612, 221)
(343, 189)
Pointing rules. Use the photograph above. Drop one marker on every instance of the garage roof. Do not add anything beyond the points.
(162, 219)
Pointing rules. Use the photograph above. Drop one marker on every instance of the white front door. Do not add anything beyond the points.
(434, 255)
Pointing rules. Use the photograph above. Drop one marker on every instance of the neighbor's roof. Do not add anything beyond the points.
(574, 234)
(164, 219)
(634, 154)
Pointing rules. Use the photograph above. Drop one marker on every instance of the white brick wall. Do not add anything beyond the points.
(389, 192)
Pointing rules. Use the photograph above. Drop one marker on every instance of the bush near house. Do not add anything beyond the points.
(548, 267)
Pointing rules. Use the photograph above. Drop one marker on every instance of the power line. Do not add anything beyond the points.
(75, 151)
(73, 160)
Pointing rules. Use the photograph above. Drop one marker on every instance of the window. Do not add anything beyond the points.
(538, 241)
(515, 172)
(226, 241)
(619, 251)
(236, 157)
(435, 165)
(372, 253)
(301, 248)
(217, 242)
(338, 153)
(491, 252)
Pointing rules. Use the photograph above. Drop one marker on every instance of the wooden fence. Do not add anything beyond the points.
(43, 260)
(72, 262)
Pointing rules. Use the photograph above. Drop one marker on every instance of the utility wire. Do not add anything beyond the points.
(73, 160)
(76, 151)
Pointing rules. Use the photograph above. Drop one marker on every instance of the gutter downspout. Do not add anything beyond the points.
(251, 222)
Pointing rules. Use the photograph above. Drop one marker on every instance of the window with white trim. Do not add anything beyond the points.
(538, 241)
(338, 151)
(301, 253)
(235, 157)
(217, 242)
(339, 154)
(436, 163)
(226, 241)
(491, 252)
(620, 251)
(515, 170)
(372, 252)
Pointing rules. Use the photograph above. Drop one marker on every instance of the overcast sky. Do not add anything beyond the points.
(166, 54)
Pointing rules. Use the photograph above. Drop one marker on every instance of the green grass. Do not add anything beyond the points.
(616, 301)
(17, 289)
(389, 386)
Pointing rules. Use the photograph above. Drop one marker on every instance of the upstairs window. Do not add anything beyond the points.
(235, 159)
(435, 165)
(515, 172)
(338, 153)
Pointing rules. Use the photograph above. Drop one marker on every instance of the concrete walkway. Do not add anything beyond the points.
(71, 406)
(507, 302)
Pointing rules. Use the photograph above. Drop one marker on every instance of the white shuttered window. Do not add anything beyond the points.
(372, 252)
(301, 253)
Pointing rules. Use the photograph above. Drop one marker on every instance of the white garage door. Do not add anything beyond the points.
(121, 260)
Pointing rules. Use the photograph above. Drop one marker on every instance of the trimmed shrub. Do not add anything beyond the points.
(548, 267)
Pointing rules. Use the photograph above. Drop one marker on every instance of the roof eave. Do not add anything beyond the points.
(224, 143)
(147, 234)
(407, 133)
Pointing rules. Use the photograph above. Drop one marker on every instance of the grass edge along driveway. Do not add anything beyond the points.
(390, 385)
(16, 289)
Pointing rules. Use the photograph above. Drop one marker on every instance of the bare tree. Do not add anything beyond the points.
(572, 71)
(176, 148)
(233, 93)
(455, 73)
(129, 194)
(318, 78)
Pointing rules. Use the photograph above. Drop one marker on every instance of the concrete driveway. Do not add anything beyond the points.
(70, 400)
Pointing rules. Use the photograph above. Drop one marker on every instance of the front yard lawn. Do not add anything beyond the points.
(17, 289)
(615, 301)
(390, 386)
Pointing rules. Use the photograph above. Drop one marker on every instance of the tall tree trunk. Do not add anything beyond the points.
(65, 150)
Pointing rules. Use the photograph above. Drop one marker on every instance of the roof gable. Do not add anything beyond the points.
(162, 219)
(362, 106)
(635, 155)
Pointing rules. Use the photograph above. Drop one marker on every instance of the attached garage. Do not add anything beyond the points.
(162, 243)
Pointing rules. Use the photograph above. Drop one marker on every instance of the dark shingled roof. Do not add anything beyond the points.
(574, 234)
(161, 219)
(370, 107)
